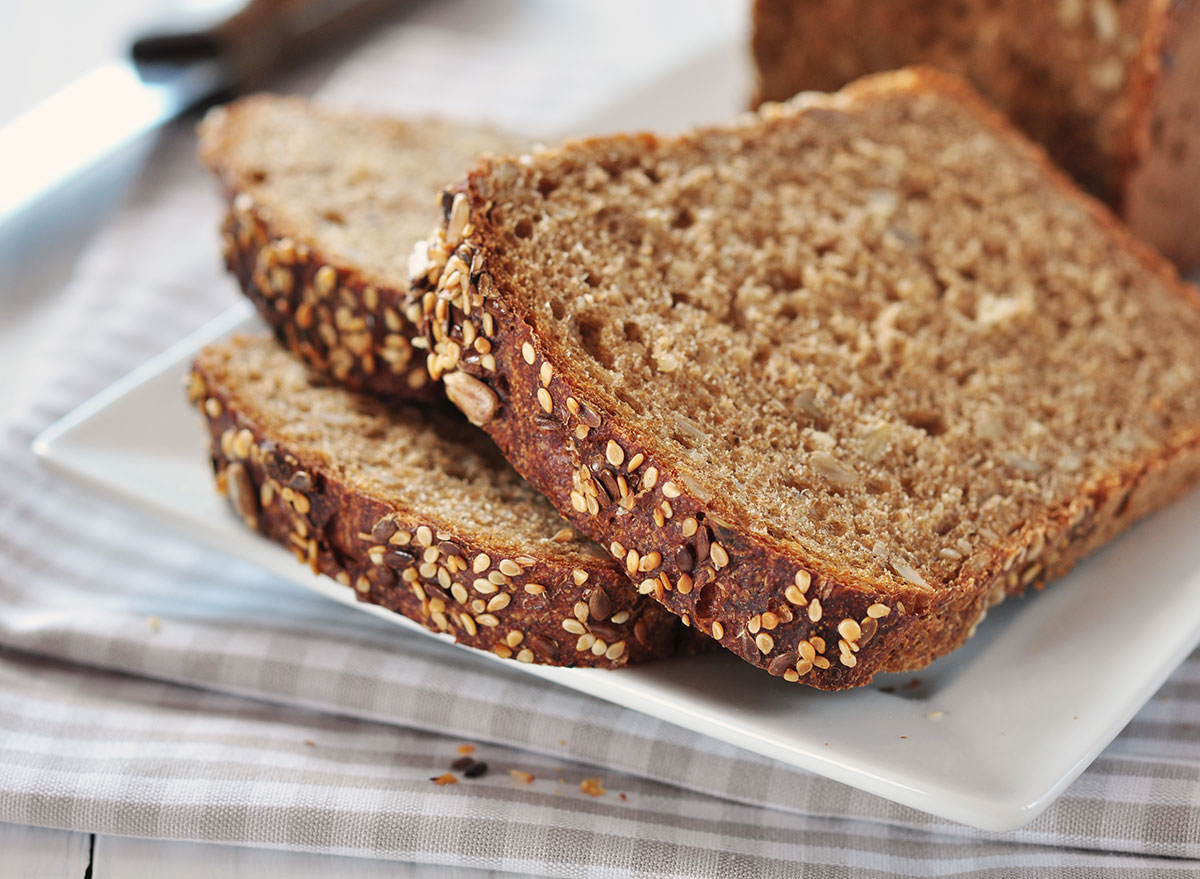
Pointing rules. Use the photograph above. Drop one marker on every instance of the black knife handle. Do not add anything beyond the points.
(258, 38)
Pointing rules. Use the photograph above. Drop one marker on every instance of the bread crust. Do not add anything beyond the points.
(324, 312)
(762, 598)
(530, 609)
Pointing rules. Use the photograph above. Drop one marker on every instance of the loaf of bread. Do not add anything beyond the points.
(828, 382)
(1111, 89)
(324, 209)
(417, 512)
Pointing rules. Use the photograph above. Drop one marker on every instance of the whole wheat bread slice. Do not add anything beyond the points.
(830, 381)
(324, 209)
(417, 512)
(1111, 89)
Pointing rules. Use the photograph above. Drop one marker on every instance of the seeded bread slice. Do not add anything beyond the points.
(832, 380)
(1110, 87)
(324, 209)
(418, 512)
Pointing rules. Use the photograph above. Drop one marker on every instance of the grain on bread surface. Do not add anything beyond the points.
(324, 206)
(829, 382)
(417, 512)
(1109, 87)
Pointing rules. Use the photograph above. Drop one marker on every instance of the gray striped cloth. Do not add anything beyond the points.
(151, 688)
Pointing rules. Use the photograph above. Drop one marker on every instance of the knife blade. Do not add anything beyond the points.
(167, 73)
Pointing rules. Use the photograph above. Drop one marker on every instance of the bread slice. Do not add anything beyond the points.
(324, 209)
(418, 512)
(1110, 88)
(832, 380)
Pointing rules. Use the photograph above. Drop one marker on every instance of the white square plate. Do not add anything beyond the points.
(987, 736)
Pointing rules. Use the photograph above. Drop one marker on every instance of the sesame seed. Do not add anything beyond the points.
(482, 562)
(848, 659)
(499, 578)
(573, 626)
(212, 406)
(650, 562)
(487, 587)
(526, 655)
(459, 591)
(807, 651)
(546, 372)
(659, 518)
(821, 662)
(878, 611)
(620, 618)
(803, 580)
(535, 588)
(585, 642)
(814, 610)
(510, 568)
(689, 526)
(670, 489)
(614, 454)
(791, 676)
(499, 601)
(580, 576)
(478, 606)
(718, 631)
(795, 596)
(617, 550)
(468, 624)
(325, 280)
(647, 586)
(424, 535)
(632, 559)
(685, 584)
(581, 611)
(486, 619)
(719, 557)
(545, 400)
(769, 620)
(754, 624)
(599, 646)
(764, 642)
(614, 651)
(528, 353)
(849, 629)
(578, 502)
(803, 667)
(650, 478)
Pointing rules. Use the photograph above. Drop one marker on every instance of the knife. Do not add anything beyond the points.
(216, 52)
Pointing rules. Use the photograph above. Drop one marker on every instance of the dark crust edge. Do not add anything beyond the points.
(563, 451)
(297, 500)
(326, 313)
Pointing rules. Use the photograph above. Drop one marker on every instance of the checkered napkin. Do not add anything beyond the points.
(149, 687)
